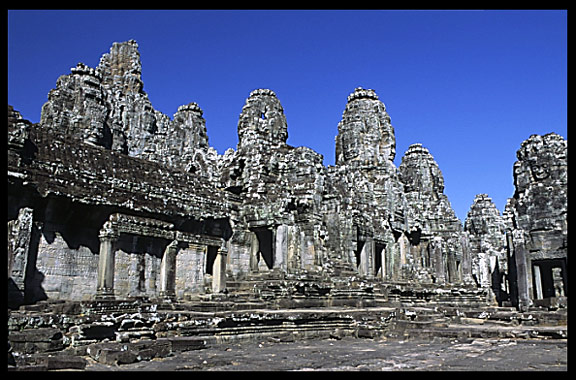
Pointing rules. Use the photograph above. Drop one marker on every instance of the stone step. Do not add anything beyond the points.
(421, 331)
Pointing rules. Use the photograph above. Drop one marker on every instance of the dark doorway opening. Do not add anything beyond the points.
(210, 258)
(358, 252)
(378, 248)
(265, 240)
(549, 278)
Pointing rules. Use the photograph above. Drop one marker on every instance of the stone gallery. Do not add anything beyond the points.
(124, 225)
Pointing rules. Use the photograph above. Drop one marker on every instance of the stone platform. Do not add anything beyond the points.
(60, 335)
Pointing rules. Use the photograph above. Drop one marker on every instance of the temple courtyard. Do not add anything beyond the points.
(350, 354)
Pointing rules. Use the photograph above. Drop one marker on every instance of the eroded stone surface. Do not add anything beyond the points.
(487, 231)
(368, 355)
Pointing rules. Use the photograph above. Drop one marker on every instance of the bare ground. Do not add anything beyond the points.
(351, 354)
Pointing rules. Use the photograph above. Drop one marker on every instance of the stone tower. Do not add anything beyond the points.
(536, 216)
(372, 208)
(487, 233)
(432, 216)
(365, 135)
(78, 106)
(262, 122)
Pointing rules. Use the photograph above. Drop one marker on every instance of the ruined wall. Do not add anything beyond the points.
(433, 219)
(365, 202)
(522, 254)
(536, 218)
(486, 229)
(539, 201)
(190, 270)
(280, 188)
(65, 272)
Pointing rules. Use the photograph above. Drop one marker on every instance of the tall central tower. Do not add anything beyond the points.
(365, 135)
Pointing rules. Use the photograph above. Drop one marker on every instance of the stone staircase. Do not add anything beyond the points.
(107, 331)
(281, 290)
(478, 322)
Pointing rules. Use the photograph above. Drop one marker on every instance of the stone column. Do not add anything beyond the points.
(405, 258)
(281, 249)
(19, 235)
(538, 282)
(254, 249)
(466, 264)
(452, 266)
(168, 272)
(404, 245)
(438, 259)
(219, 270)
(484, 269)
(105, 284)
(522, 272)
(390, 259)
(367, 258)
(20, 271)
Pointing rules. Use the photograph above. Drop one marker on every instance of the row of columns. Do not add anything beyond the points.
(392, 257)
(106, 267)
(282, 247)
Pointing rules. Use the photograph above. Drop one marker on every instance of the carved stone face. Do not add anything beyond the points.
(263, 119)
(350, 142)
(365, 134)
(541, 159)
(539, 171)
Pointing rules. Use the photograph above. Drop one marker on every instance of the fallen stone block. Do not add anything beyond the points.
(114, 353)
(97, 330)
(63, 362)
(111, 353)
(36, 340)
(150, 349)
(283, 337)
(115, 357)
(183, 343)
(366, 332)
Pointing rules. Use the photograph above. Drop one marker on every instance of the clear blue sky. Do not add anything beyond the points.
(469, 85)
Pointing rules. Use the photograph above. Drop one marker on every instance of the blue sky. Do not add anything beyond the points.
(469, 85)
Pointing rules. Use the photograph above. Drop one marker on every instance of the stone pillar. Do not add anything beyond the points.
(20, 272)
(168, 272)
(281, 249)
(405, 258)
(484, 269)
(538, 282)
(105, 284)
(19, 235)
(390, 259)
(219, 270)
(404, 245)
(367, 258)
(438, 260)
(466, 264)
(522, 272)
(452, 266)
(254, 249)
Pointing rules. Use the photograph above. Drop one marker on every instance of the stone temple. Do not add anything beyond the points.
(125, 225)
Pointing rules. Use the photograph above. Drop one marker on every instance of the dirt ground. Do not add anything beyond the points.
(351, 354)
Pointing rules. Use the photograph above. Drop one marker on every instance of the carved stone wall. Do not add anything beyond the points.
(486, 229)
(433, 219)
(536, 219)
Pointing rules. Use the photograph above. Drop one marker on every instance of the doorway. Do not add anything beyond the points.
(265, 243)
(378, 248)
(549, 278)
(210, 258)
